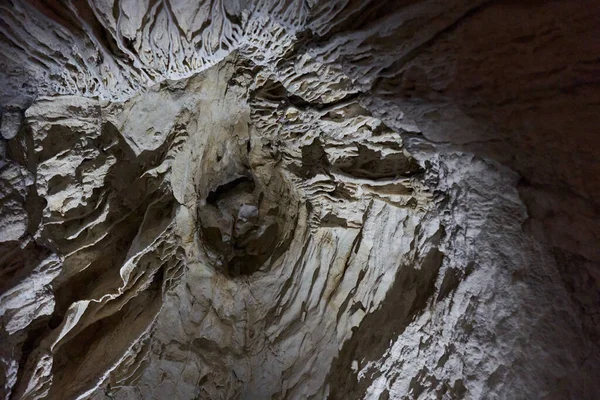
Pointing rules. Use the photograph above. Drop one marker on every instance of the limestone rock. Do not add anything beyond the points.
(299, 199)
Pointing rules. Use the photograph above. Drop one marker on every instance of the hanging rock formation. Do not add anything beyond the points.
(299, 199)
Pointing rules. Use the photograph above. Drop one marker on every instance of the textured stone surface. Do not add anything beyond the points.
(295, 199)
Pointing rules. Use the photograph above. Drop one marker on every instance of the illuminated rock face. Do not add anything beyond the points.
(299, 199)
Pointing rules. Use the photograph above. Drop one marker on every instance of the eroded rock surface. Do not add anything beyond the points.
(299, 199)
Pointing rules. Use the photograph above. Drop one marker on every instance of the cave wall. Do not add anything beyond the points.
(299, 199)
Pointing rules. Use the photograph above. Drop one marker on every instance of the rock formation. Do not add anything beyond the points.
(299, 199)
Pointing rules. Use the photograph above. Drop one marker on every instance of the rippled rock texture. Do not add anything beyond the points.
(299, 199)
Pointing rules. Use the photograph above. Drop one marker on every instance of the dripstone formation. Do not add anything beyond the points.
(299, 199)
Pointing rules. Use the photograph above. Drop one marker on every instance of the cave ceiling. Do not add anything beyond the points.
(299, 199)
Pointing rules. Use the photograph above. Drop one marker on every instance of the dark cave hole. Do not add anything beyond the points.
(242, 183)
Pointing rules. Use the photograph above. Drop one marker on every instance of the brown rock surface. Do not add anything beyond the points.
(299, 199)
